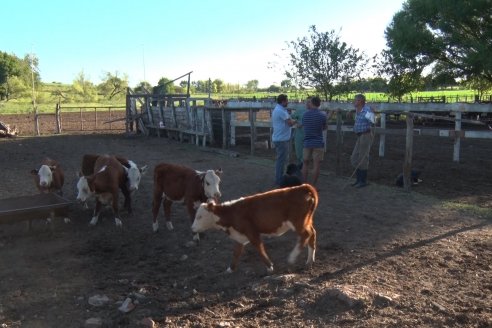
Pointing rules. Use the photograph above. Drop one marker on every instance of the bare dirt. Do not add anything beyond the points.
(385, 257)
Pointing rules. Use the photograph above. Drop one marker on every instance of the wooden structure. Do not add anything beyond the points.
(173, 115)
(39, 206)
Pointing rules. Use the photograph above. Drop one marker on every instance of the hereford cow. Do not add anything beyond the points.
(133, 175)
(109, 174)
(49, 177)
(270, 213)
(176, 183)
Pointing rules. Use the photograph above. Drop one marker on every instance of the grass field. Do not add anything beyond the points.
(47, 99)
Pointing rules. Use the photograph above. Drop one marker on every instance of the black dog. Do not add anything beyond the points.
(414, 177)
(292, 177)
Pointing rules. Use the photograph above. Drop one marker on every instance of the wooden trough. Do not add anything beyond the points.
(40, 206)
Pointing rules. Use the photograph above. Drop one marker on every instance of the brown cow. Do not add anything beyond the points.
(133, 175)
(270, 213)
(104, 184)
(176, 183)
(49, 177)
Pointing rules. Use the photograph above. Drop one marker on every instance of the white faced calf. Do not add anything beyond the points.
(271, 213)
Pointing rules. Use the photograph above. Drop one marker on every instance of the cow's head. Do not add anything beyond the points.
(211, 182)
(134, 175)
(84, 190)
(205, 218)
(45, 175)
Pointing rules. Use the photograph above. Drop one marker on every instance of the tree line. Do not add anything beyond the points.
(430, 44)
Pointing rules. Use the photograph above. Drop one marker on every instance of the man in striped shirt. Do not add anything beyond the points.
(364, 119)
(313, 122)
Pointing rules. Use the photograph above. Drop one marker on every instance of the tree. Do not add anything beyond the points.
(83, 89)
(286, 85)
(17, 74)
(219, 84)
(143, 87)
(324, 62)
(113, 86)
(454, 34)
(252, 85)
(164, 86)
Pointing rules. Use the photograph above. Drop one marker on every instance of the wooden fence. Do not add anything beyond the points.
(81, 118)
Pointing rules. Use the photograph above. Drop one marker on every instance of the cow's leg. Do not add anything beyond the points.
(166, 203)
(117, 220)
(156, 204)
(97, 211)
(128, 200)
(238, 250)
(311, 246)
(295, 252)
(192, 206)
(258, 243)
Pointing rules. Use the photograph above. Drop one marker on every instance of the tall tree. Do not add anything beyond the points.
(143, 87)
(164, 86)
(252, 85)
(83, 89)
(454, 34)
(113, 86)
(324, 62)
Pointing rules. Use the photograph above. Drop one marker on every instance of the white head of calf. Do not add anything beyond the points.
(204, 218)
(83, 190)
(134, 175)
(45, 176)
(211, 182)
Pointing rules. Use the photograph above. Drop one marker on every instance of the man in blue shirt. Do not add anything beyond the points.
(364, 119)
(313, 122)
(281, 123)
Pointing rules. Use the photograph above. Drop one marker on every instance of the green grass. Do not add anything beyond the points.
(47, 100)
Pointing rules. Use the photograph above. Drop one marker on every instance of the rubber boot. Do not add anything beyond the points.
(357, 181)
(363, 179)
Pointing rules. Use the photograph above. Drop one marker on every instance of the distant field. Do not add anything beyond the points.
(47, 98)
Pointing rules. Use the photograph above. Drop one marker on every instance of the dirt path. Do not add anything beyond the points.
(385, 257)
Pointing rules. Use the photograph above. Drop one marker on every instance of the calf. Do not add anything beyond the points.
(128, 185)
(176, 183)
(270, 213)
(103, 184)
(49, 177)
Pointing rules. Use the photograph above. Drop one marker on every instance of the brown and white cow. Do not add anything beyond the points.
(49, 177)
(177, 183)
(104, 184)
(133, 175)
(273, 213)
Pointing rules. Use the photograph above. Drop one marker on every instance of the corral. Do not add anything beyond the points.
(385, 257)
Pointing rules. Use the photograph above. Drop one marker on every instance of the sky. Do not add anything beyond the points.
(235, 41)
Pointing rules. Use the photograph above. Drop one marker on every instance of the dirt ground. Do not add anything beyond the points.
(385, 258)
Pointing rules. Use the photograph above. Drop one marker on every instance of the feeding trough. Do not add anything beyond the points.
(40, 206)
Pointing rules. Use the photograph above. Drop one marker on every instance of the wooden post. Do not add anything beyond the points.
(407, 166)
(110, 120)
(224, 128)
(252, 117)
(57, 118)
(339, 142)
(233, 128)
(95, 118)
(457, 137)
(382, 136)
(81, 121)
(128, 111)
(36, 120)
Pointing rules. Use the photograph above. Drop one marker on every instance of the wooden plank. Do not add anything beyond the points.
(407, 166)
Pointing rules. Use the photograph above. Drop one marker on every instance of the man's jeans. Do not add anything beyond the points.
(282, 151)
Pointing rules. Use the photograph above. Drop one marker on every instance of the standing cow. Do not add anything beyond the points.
(49, 177)
(271, 213)
(177, 183)
(128, 185)
(104, 184)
